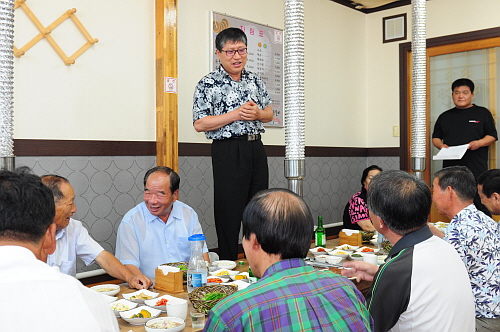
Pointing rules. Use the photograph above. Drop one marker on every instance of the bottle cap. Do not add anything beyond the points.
(241, 263)
(197, 237)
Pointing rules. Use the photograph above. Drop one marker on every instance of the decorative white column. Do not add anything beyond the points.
(294, 95)
(6, 84)
(418, 99)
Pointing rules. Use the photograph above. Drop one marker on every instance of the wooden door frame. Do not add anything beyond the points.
(483, 39)
(167, 151)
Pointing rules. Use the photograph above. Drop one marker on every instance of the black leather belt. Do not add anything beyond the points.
(255, 137)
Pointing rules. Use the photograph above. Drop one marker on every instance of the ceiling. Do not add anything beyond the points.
(370, 6)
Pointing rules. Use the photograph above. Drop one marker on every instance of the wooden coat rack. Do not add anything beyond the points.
(45, 33)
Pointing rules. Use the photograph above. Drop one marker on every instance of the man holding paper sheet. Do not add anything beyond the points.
(466, 123)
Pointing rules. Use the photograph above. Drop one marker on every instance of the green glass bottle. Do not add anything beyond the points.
(250, 273)
(320, 234)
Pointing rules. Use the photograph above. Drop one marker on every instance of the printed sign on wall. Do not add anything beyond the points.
(265, 57)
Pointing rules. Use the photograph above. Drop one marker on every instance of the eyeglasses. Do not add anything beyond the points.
(231, 53)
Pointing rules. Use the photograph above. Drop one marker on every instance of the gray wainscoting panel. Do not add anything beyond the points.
(107, 187)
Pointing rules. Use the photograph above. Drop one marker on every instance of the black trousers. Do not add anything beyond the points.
(240, 171)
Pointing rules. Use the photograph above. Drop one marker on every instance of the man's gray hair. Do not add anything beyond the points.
(400, 199)
(461, 179)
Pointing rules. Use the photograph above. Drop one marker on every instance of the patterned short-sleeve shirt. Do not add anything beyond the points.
(217, 93)
(474, 236)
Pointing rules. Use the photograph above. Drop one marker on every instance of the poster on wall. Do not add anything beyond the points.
(265, 56)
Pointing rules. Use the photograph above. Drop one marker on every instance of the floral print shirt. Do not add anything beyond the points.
(474, 235)
(217, 93)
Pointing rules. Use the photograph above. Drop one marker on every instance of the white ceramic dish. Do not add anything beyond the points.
(161, 319)
(340, 253)
(333, 259)
(109, 299)
(321, 258)
(239, 283)
(152, 303)
(441, 226)
(229, 273)
(356, 258)
(128, 296)
(122, 305)
(381, 259)
(374, 241)
(368, 252)
(244, 276)
(315, 252)
(228, 265)
(100, 289)
(126, 315)
(347, 247)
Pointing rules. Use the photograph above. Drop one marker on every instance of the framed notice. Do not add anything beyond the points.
(265, 56)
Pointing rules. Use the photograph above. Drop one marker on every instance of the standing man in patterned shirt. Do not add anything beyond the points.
(290, 296)
(474, 236)
(230, 105)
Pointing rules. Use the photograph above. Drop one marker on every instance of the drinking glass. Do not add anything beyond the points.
(197, 319)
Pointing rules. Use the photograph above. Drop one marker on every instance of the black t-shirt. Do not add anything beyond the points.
(461, 126)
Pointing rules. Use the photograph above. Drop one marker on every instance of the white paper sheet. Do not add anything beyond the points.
(451, 153)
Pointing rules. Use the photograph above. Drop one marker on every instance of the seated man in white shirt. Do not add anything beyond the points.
(73, 240)
(156, 231)
(35, 296)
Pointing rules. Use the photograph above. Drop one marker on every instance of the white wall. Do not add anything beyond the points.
(352, 78)
(444, 17)
(108, 94)
(194, 44)
(335, 70)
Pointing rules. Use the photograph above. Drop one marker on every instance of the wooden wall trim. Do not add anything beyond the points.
(166, 67)
(353, 4)
(38, 148)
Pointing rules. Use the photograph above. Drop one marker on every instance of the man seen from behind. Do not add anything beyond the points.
(290, 296)
(36, 297)
(423, 285)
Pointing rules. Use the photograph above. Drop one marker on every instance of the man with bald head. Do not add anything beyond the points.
(290, 296)
(73, 240)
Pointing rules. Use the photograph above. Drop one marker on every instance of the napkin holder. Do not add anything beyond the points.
(355, 239)
(172, 282)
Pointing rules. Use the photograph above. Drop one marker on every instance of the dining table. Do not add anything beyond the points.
(241, 265)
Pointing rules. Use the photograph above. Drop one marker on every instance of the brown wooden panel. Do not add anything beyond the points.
(33, 147)
(353, 4)
(166, 66)
(40, 147)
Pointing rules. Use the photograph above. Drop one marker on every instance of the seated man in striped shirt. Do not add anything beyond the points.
(290, 296)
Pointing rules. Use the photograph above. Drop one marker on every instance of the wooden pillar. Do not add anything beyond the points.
(167, 153)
